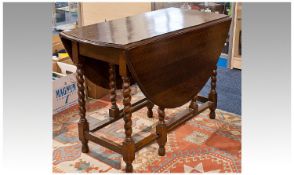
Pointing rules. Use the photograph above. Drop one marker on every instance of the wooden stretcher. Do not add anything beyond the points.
(170, 54)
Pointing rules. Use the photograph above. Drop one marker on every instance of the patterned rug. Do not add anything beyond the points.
(200, 145)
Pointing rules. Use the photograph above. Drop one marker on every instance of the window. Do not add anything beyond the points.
(65, 16)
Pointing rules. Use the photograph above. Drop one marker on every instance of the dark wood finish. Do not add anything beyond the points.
(113, 111)
(169, 53)
(213, 94)
(83, 125)
(133, 31)
(207, 29)
(149, 111)
(128, 148)
(161, 131)
(193, 105)
(109, 55)
(188, 53)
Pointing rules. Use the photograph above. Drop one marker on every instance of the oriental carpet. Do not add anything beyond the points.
(200, 145)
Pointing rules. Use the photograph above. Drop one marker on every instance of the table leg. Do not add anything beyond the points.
(150, 107)
(161, 131)
(113, 111)
(193, 104)
(213, 95)
(128, 148)
(83, 124)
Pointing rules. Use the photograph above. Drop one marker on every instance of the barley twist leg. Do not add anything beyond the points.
(113, 111)
(83, 125)
(128, 148)
(213, 94)
(161, 131)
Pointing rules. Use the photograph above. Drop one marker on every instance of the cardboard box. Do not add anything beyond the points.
(95, 91)
(92, 90)
(65, 89)
(66, 68)
(56, 44)
(55, 67)
(64, 85)
(60, 59)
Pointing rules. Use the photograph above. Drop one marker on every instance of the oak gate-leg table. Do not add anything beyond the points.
(169, 53)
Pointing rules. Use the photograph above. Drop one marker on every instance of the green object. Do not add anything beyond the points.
(230, 10)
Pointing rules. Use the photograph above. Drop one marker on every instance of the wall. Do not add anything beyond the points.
(97, 12)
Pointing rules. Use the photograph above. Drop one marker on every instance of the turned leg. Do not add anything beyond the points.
(128, 148)
(113, 111)
(213, 95)
(193, 104)
(83, 125)
(161, 131)
(149, 107)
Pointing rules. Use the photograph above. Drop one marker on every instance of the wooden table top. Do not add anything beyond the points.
(134, 30)
(169, 53)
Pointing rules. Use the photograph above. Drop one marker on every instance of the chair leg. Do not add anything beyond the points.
(161, 131)
(150, 112)
(83, 125)
(213, 94)
(113, 111)
(128, 147)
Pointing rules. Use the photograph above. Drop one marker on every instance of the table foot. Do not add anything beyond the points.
(85, 148)
(161, 151)
(129, 168)
(128, 151)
